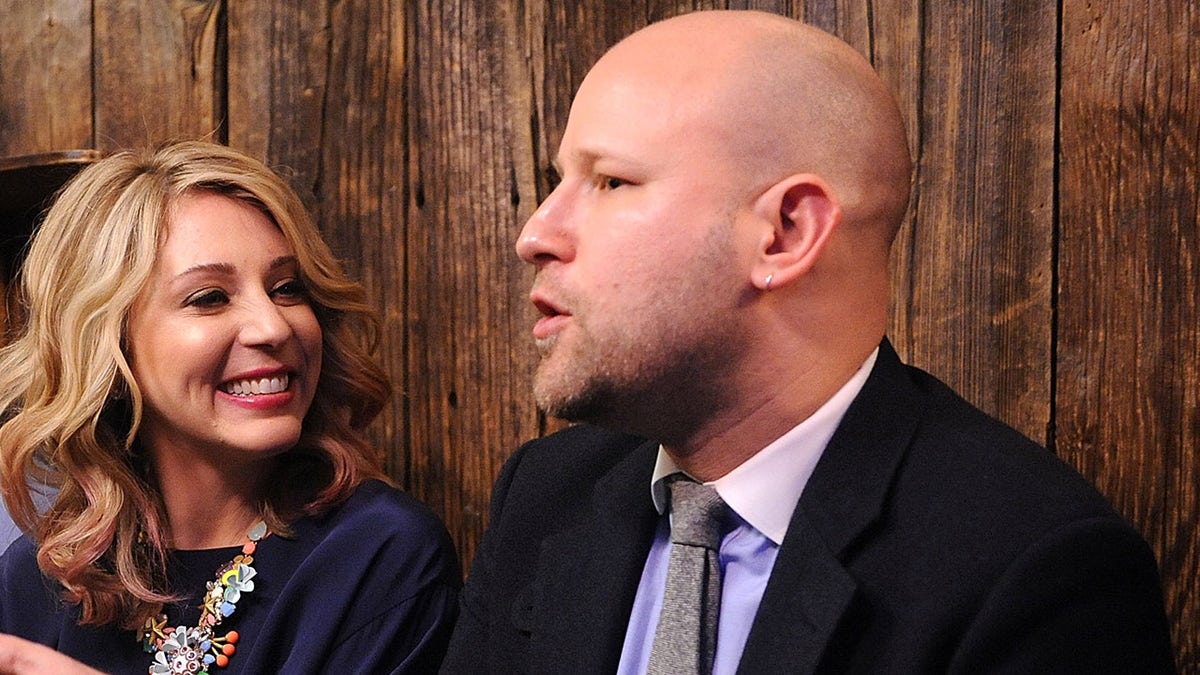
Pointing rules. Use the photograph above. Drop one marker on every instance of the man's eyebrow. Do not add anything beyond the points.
(586, 156)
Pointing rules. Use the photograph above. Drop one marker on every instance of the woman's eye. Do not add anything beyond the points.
(207, 299)
(293, 289)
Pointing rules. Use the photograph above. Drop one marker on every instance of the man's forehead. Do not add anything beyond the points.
(608, 113)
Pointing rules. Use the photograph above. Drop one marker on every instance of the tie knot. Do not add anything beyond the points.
(696, 513)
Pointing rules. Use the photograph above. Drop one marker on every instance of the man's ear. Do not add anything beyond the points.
(802, 213)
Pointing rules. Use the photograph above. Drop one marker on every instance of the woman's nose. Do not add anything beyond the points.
(264, 325)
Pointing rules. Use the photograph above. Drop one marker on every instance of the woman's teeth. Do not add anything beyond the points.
(265, 385)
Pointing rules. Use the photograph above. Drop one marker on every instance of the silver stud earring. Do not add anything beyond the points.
(767, 284)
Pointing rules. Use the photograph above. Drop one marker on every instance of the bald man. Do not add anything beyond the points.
(712, 277)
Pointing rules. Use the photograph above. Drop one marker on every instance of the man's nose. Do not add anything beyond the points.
(546, 236)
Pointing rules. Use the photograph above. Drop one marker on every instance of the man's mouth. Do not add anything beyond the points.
(546, 308)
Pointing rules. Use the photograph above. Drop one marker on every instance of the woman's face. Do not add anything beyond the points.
(223, 342)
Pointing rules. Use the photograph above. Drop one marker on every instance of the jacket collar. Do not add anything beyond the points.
(588, 575)
(810, 590)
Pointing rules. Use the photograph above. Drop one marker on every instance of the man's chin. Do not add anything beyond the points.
(573, 404)
(569, 409)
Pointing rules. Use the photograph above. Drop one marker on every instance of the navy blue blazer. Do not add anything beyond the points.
(931, 538)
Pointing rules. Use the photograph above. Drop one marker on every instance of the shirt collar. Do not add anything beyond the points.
(765, 489)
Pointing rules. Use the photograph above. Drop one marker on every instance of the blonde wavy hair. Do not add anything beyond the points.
(71, 407)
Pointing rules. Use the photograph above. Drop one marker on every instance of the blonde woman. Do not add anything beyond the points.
(193, 378)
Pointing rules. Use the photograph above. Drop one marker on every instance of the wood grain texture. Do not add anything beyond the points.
(160, 70)
(342, 149)
(45, 65)
(279, 55)
(1048, 269)
(973, 270)
(470, 184)
(1128, 377)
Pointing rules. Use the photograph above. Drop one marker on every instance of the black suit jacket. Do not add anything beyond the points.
(930, 538)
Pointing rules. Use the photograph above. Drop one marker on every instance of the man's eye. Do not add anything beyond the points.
(209, 298)
(611, 182)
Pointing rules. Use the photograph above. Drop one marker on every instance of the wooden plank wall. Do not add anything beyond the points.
(1048, 269)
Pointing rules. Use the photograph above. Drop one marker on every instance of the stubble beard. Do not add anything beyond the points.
(578, 387)
(641, 384)
(647, 377)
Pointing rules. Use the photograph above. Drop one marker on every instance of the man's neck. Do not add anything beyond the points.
(765, 412)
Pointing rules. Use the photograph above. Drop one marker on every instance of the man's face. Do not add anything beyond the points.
(638, 265)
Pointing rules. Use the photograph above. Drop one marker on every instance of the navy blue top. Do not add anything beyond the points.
(369, 587)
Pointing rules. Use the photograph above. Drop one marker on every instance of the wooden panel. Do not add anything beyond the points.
(52, 111)
(1129, 316)
(421, 135)
(45, 109)
(279, 58)
(469, 187)
(159, 71)
(45, 76)
(358, 174)
(973, 269)
(851, 20)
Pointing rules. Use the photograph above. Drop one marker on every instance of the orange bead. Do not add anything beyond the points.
(248, 548)
(228, 650)
(232, 637)
(222, 660)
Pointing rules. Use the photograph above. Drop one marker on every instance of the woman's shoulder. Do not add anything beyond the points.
(366, 585)
(385, 510)
(378, 522)
(19, 571)
(30, 603)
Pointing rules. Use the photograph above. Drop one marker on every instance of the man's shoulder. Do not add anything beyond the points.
(915, 453)
(582, 448)
(551, 481)
(973, 453)
(956, 478)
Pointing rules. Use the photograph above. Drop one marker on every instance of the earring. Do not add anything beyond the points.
(767, 284)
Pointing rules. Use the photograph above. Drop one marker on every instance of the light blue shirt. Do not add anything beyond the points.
(9, 532)
(761, 494)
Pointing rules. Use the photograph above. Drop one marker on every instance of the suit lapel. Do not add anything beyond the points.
(810, 590)
(588, 576)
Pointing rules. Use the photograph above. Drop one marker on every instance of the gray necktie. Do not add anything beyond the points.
(686, 636)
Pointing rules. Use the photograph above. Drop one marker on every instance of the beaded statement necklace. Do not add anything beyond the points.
(194, 649)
